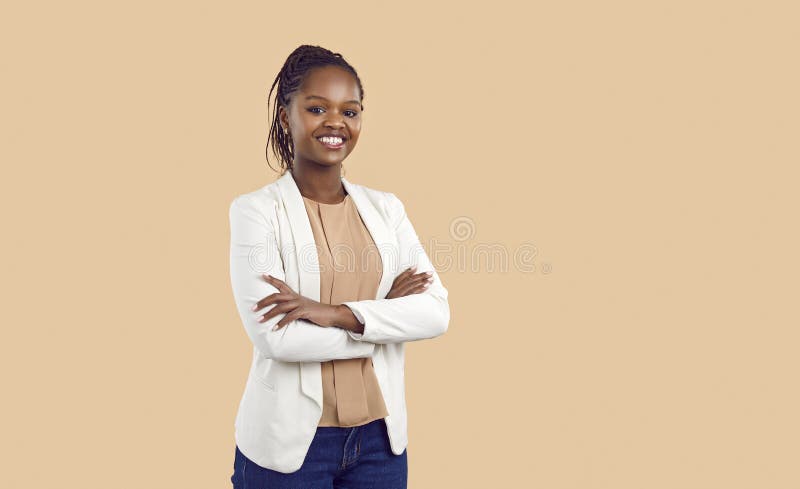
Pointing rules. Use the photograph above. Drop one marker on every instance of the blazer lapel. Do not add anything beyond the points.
(308, 262)
(381, 235)
(303, 237)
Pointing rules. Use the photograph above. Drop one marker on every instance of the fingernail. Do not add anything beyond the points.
(254, 308)
(429, 273)
(275, 328)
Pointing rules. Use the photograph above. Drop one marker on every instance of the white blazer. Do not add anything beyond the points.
(282, 402)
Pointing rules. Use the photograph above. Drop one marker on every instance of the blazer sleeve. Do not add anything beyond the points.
(413, 317)
(254, 251)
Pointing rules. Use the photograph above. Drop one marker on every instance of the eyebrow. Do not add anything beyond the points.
(323, 98)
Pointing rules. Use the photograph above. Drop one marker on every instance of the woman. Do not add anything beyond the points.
(330, 280)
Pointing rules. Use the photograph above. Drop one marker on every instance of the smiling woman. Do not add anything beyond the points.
(324, 405)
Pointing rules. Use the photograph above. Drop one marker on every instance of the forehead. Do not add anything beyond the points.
(331, 82)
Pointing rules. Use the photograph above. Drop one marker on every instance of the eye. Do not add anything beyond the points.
(353, 112)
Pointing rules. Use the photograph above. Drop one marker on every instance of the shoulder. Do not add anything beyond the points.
(385, 201)
(262, 200)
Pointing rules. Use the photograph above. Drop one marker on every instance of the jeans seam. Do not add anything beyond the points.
(345, 457)
(244, 469)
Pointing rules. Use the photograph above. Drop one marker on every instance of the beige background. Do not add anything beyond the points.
(647, 150)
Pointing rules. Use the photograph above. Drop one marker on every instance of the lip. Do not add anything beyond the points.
(329, 146)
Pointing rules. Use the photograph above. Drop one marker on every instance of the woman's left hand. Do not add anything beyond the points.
(294, 305)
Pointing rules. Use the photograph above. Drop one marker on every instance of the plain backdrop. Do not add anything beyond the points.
(640, 158)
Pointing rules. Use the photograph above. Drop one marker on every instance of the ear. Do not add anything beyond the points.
(283, 117)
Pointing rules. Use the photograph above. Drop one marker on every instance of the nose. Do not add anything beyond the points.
(334, 122)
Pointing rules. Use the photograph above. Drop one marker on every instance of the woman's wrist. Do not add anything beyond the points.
(345, 319)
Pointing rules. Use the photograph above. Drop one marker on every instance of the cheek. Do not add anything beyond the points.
(305, 127)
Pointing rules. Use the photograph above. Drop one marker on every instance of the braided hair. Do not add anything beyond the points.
(289, 79)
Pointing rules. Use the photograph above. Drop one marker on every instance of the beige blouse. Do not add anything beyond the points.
(350, 270)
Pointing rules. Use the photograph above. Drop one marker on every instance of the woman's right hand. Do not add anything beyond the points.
(408, 283)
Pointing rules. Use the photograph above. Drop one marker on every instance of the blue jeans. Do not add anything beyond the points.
(359, 457)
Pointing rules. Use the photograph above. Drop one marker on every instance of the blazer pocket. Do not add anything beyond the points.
(266, 384)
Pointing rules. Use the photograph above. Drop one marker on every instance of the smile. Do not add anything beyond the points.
(331, 142)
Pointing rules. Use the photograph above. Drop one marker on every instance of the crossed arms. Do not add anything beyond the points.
(402, 319)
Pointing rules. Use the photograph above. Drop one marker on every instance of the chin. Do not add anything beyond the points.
(328, 162)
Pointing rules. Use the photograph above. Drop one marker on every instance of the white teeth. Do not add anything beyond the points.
(331, 140)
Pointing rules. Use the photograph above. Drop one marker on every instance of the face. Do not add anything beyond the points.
(327, 103)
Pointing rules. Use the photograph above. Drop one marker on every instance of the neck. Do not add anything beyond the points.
(319, 182)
